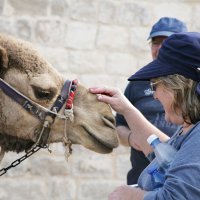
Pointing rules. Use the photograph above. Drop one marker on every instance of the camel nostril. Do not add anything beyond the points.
(109, 121)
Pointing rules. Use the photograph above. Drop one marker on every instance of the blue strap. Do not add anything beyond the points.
(22, 100)
(61, 99)
(32, 107)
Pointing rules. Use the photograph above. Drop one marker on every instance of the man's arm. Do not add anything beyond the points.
(125, 135)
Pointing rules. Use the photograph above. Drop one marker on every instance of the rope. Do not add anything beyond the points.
(67, 143)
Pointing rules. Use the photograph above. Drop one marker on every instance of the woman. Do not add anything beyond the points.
(175, 80)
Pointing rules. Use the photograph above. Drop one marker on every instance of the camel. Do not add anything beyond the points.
(90, 122)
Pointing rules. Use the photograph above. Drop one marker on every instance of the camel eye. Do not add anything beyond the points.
(43, 94)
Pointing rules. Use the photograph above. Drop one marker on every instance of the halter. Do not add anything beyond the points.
(46, 116)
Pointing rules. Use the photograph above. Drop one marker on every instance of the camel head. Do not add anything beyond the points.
(22, 67)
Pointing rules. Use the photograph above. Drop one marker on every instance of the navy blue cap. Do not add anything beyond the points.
(179, 54)
(167, 26)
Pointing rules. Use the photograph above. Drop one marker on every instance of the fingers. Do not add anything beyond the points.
(103, 90)
(96, 90)
(110, 96)
(105, 98)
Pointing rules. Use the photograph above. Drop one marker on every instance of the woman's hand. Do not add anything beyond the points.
(126, 192)
(114, 97)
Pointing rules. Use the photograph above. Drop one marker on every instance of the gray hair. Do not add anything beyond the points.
(186, 98)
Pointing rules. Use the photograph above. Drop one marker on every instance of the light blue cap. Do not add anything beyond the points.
(167, 26)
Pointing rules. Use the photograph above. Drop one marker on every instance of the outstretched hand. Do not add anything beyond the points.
(112, 96)
(126, 192)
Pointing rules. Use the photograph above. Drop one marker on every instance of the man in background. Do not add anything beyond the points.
(141, 96)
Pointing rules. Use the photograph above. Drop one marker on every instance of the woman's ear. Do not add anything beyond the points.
(3, 59)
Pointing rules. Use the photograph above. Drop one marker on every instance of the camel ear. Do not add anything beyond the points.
(3, 58)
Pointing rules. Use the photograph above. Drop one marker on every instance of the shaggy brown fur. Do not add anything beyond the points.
(21, 55)
(12, 143)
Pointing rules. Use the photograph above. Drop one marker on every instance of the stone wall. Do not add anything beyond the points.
(100, 42)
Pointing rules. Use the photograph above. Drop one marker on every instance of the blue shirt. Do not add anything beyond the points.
(182, 180)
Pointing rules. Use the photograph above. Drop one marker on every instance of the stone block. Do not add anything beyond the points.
(23, 188)
(120, 64)
(120, 81)
(107, 11)
(27, 7)
(143, 59)
(138, 39)
(91, 165)
(133, 14)
(6, 26)
(86, 62)
(84, 10)
(49, 32)
(112, 38)
(123, 165)
(61, 188)
(179, 10)
(80, 36)
(49, 165)
(23, 29)
(59, 7)
(96, 189)
(58, 57)
(1, 6)
(90, 80)
(195, 25)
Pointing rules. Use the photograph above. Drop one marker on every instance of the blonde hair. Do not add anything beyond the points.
(185, 97)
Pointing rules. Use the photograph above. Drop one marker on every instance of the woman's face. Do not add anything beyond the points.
(166, 98)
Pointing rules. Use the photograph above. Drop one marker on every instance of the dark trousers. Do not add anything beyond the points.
(139, 162)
